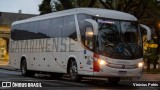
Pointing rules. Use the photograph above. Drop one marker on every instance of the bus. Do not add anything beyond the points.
(79, 42)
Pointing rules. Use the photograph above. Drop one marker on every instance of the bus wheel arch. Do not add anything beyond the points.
(22, 59)
(72, 69)
(23, 67)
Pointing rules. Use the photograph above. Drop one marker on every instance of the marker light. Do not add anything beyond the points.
(140, 64)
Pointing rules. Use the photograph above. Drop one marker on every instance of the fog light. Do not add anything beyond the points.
(140, 64)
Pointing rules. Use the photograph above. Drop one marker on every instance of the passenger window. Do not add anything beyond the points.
(55, 27)
(13, 32)
(33, 30)
(16, 32)
(69, 28)
(43, 29)
(23, 33)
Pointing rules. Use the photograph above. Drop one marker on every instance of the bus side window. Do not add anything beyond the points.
(16, 32)
(33, 30)
(43, 28)
(13, 32)
(69, 27)
(55, 27)
(23, 34)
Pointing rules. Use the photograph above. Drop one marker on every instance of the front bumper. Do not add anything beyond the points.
(106, 71)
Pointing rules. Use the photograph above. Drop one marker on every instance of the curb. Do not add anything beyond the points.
(8, 68)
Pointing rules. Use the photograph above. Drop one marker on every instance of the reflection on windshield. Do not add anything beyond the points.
(119, 39)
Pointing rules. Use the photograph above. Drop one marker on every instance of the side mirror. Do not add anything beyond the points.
(148, 31)
(89, 36)
(89, 31)
(94, 24)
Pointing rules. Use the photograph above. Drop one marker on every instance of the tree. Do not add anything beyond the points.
(135, 7)
(66, 4)
(45, 7)
(48, 6)
(56, 5)
(79, 3)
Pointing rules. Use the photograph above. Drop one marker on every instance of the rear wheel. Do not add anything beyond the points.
(74, 72)
(24, 70)
(114, 80)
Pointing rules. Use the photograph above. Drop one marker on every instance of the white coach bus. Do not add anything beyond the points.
(80, 42)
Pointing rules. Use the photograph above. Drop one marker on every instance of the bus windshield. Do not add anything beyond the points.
(118, 39)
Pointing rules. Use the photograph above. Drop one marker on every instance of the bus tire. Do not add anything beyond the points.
(24, 70)
(114, 80)
(73, 71)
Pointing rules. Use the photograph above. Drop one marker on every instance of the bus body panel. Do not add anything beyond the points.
(34, 62)
(88, 62)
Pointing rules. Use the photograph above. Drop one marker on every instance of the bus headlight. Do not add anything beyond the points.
(140, 64)
(102, 62)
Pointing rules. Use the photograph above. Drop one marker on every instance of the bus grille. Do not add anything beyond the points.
(121, 66)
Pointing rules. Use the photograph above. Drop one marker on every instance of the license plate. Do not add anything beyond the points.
(122, 72)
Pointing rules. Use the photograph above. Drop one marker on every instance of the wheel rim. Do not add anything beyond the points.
(73, 71)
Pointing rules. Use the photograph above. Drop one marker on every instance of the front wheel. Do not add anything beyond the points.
(74, 71)
(114, 80)
(24, 70)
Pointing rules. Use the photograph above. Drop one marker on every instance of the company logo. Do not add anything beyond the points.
(6, 84)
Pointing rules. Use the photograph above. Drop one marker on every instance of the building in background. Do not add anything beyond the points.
(6, 19)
